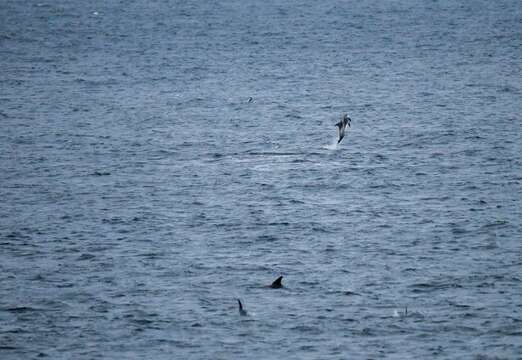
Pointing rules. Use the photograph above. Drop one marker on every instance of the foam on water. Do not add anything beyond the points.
(334, 145)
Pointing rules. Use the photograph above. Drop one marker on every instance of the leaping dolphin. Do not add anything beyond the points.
(345, 120)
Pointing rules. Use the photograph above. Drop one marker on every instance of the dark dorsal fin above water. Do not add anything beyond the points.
(277, 283)
(242, 311)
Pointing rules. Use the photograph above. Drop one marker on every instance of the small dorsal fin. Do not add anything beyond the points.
(242, 311)
(277, 283)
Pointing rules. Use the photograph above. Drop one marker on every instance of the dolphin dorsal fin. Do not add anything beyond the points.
(277, 283)
(242, 311)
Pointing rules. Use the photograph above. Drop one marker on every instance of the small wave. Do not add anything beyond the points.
(274, 223)
(435, 286)
(7, 347)
(86, 256)
(271, 153)
(496, 223)
(267, 238)
(20, 309)
(101, 173)
(306, 329)
(293, 116)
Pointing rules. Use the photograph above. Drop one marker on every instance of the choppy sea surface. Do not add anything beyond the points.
(142, 193)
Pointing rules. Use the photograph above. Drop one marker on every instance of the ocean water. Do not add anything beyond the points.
(142, 193)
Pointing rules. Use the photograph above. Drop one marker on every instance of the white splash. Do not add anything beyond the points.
(333, 146)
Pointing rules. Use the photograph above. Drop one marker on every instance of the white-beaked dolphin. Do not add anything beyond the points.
(345, 120)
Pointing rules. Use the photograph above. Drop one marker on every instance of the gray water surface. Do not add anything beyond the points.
(142, 194)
